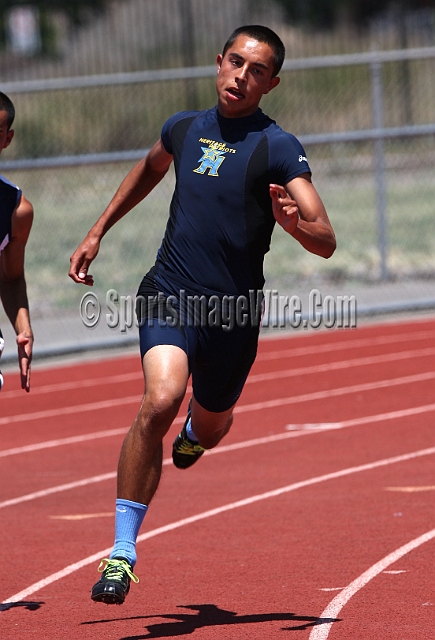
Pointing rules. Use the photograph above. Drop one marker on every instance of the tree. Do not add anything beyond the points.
(76, 11)
(326, 13)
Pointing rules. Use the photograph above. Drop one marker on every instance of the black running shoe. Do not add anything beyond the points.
(185, 452)
(114, 583)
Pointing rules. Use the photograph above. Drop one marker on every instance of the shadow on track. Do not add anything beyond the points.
(209, 615)
(31, 606)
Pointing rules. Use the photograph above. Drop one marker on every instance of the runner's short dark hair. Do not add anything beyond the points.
(261, 34)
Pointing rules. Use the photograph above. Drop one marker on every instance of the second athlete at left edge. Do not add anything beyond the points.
(16, 217)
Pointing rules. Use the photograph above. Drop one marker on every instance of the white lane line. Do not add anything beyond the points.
(37, 586)
(393, 573)
(51, 413)
(106, 404)
(48, 444)
(321, 632)
(62, 487)
(342, 364)
(380, 417)
(327, 426)
(273, 355)
(340, 391)
(345, 345)
(65, 487)
(84, 516)
(77, 384)
(410, 489)
(314, 426)
(391, 415)
(257, 407)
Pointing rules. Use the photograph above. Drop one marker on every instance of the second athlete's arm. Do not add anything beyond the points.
(13, 290)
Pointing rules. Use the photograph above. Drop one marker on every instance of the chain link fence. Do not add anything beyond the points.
(366, 120)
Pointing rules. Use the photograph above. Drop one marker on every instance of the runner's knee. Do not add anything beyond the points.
(162, 402)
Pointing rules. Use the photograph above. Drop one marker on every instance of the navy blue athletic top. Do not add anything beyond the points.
(9, 198)
(221, 219)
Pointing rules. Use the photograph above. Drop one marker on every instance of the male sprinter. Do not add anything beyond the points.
(16, 217)
(237, 174)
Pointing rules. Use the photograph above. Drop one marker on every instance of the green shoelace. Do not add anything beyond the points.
(115, 568)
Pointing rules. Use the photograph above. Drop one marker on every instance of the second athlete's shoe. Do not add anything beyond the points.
(185, 452)
(114, 583)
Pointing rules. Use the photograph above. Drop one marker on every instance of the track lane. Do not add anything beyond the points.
(336, 446)
(383, 363)
(166, 551)
(274, 405)
(293, 431)
(320, 344)
(334, 608)
(229, 507)
(306, 409)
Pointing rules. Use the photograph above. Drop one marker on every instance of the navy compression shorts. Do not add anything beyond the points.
(219, 360)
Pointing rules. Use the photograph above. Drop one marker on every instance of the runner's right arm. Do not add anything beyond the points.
(138, 183)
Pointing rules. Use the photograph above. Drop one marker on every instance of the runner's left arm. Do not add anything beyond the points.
(298, 208)
(138, 183)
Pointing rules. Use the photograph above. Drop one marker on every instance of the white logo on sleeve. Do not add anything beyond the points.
(302, 158)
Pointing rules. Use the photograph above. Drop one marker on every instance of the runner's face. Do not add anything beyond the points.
(244, 76)
(6, 134)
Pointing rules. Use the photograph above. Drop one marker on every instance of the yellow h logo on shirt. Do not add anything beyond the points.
(211, 160)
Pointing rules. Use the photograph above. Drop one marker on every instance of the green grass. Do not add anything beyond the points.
(68, 201)
(350, 199)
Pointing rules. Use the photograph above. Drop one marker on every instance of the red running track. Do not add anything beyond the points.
(314, 515)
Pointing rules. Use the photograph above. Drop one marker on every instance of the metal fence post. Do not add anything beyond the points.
(379, 148)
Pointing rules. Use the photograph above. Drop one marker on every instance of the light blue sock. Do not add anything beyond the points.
(190, 433)
(128, 519)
